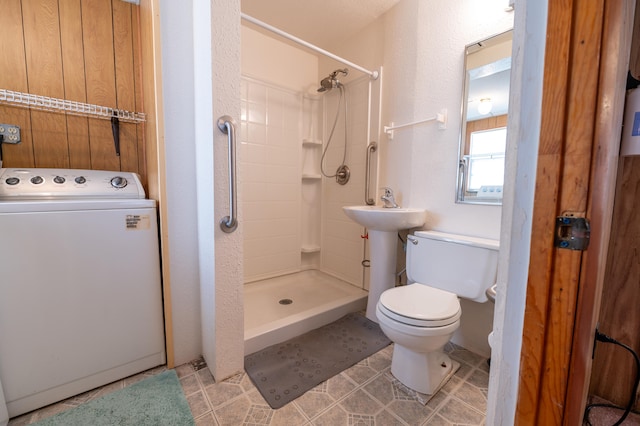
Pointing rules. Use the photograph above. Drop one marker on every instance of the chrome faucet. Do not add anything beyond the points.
(389, 201)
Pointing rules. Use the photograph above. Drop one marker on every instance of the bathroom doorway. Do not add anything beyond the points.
(577, 167)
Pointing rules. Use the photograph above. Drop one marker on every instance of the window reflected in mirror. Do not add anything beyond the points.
(483, 132)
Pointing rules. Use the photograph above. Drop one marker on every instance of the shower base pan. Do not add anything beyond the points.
(280, 308)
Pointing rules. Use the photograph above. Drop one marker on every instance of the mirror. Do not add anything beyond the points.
(483, 133)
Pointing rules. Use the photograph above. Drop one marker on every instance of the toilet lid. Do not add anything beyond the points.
(421, 305)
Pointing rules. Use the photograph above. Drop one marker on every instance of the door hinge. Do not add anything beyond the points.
(572, 232)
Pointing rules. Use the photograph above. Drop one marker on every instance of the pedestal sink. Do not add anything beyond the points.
(383, 225)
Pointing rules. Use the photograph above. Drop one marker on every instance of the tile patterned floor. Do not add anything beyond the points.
(362, 395)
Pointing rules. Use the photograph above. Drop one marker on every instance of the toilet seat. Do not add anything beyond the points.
(420, 305)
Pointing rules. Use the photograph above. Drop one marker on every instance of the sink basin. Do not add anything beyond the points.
(378, 218)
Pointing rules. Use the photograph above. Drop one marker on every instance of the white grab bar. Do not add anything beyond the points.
(227, 125)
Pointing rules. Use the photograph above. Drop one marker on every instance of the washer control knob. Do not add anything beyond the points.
(119, 182)
(80, 180)
(12, 181)
(37, 180)
(59, 179)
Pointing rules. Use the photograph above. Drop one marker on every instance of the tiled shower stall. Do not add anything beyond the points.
(292, 215)
(293, 219)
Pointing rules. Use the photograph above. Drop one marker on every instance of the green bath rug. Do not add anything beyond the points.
(156, 401)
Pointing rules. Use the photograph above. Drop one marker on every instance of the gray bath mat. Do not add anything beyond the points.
(285, 371)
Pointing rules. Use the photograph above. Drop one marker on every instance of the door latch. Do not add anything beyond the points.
(572, 233)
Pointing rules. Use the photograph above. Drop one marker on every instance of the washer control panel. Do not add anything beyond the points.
(49, 184)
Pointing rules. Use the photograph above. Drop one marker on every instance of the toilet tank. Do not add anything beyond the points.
(459, 264)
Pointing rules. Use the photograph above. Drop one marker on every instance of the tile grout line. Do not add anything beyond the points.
(359, 386)
(205, 396)
(385, 406)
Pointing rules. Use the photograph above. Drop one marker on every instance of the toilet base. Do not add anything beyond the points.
(422, 372)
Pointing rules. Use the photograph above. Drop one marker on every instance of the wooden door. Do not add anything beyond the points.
(586, 61)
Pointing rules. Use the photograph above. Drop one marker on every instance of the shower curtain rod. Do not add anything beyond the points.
(372, 74)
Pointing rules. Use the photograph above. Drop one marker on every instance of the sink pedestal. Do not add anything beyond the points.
(383, 225)
(383, 246)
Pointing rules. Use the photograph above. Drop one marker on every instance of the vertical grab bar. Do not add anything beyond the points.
(370, 148)
(227, 125)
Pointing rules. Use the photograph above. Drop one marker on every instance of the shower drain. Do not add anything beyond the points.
(285, 301)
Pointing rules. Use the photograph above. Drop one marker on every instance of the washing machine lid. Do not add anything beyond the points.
(420, 305)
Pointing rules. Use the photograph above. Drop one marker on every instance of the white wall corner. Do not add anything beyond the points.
(223, 328)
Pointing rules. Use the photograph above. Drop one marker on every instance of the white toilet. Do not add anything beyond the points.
(420, 318)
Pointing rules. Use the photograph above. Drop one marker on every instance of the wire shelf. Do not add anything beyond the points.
(43, 103)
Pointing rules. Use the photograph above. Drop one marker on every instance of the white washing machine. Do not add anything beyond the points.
(80, 288)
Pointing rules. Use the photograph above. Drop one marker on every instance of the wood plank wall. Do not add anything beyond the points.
(634, 57)
(613, 371)
(80, 50)
(483, 124)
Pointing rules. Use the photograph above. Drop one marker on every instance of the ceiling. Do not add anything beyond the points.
(320, 22)
(326, 22)
(494, 87)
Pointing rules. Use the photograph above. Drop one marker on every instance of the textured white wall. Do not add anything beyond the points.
(194, 70)
(436, 80)
(423, 74)
(220, 260)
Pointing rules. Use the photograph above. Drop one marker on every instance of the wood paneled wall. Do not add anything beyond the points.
(614, 372)
(483, 124)
(80, 50)
(634, 59)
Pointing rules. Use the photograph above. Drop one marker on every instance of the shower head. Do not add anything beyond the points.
(326, 84)
(332, 82)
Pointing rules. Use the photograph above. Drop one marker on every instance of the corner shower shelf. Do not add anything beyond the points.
(311, 142)
(310, 249)
(309, 176)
